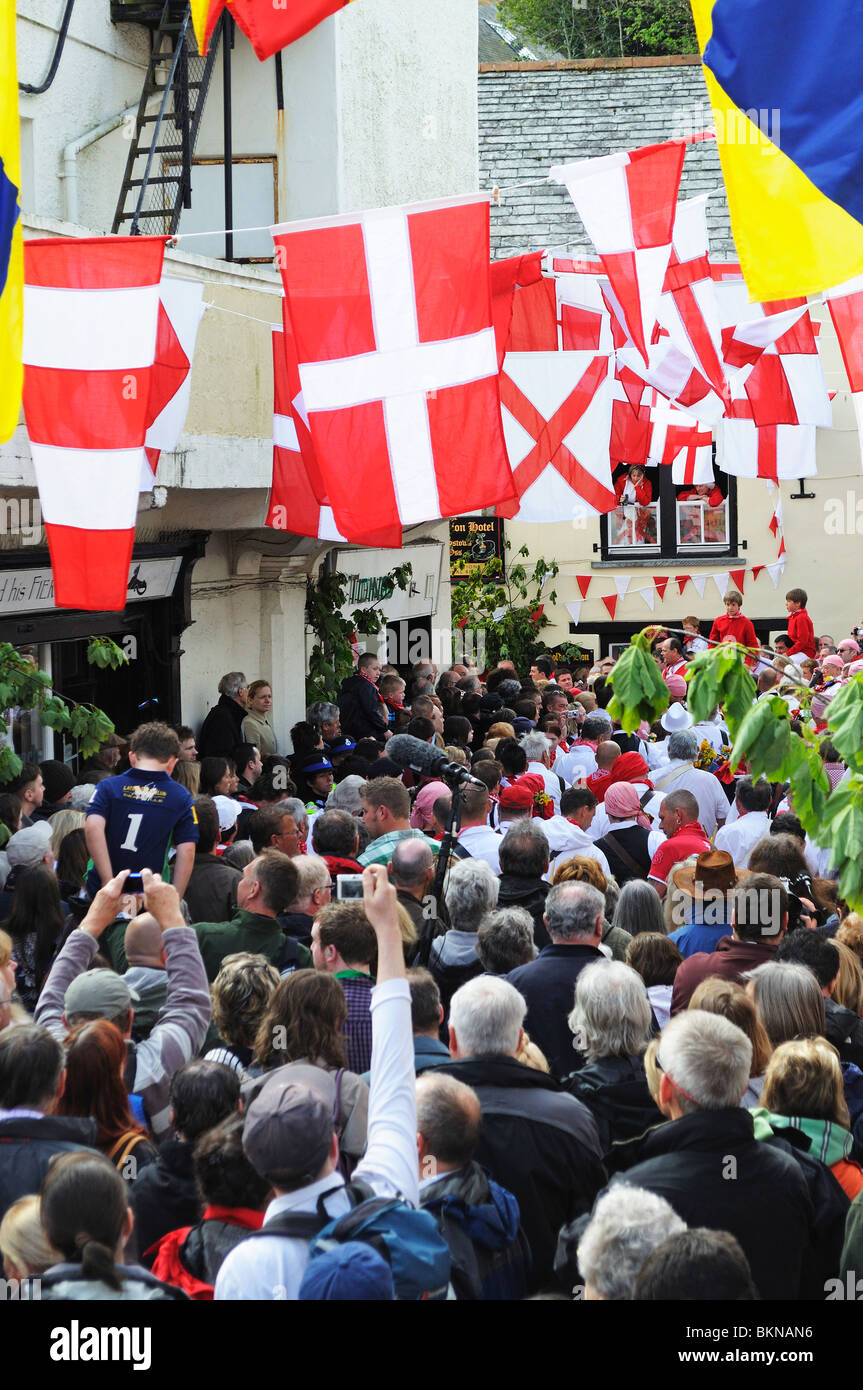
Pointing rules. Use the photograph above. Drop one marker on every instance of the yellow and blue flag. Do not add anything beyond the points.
(11, 249)
(785, 81)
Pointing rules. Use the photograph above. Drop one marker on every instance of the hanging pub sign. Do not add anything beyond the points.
(473, 541)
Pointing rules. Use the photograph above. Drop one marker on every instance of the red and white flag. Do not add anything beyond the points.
(773, 359)
(678, 440)
(557, 419)
(91, 311)
(767, 451)
(507, 277)
(181, 309)
(583, 317)
(294, 505)
(391, 311)
(688, 310)
(845, 303)
(269, 25)
(627, 203)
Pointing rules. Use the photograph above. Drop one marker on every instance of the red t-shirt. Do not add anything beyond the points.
(739, 628)
(801, 632)
(689, 839)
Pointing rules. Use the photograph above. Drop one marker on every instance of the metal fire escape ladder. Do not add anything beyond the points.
(157, 183)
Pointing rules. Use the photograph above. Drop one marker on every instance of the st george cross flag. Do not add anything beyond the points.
(626, 202)
(585, 323)
(845, 303)
(391, 312)
(181, 309)
(91, 309)
(557, 419)
(768, 451)
(269, 25)
(678, 439)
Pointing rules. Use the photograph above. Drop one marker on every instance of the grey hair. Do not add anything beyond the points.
(683, 743)
(524, 850)
(612, 1015)
(487, 1015)
(292, 806)
(639, 908)
(535, 746)
(471, 892)
(707, 1060)
(505, 940)
(81, 796)
(612, 897)
(571, 910)
(448, 1117)
(509, 691)
(232, 683)
(411, 862)
(312, 872)
(788, 999)
(626, 1226)
(322, 712)
(345, 795)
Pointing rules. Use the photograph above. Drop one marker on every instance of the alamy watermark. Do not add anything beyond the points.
(21, 517)
(752, 127)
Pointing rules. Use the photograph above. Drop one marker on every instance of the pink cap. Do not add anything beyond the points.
(676, 687)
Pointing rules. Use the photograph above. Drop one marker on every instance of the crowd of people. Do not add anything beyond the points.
(292, 1026)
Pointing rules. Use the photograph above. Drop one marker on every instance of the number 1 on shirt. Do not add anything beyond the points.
(132, 832)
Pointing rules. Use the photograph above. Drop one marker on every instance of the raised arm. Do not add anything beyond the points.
(390, 1162)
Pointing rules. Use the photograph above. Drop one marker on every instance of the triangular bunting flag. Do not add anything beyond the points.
(681, 580)
(737, 577)
(610, 601)
(721, 582)
(622, 584)
(775, 571)
(756, 570)
(649, 596)
(699, 580)
(583, 581)
(573, 608)
(781, 550)
(661, 582)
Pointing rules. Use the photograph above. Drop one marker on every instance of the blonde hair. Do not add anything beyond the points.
(848, 990)
(62, 822)
(188, 774)
(23, 1243)
(17, 1012)
(850, 933)
(804, 1079)
(530, 1055)
(726, 997)
(406, 926)
(456, 755)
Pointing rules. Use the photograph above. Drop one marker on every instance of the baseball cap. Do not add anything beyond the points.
(352, 1271)
(28, 847)
(228, 810)
(516, 797)
(99, 992)
(289, 1126)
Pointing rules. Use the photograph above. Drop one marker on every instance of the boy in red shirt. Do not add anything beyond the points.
(734, 624)
(800, 628)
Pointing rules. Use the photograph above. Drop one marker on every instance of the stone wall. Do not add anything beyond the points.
(535, 115)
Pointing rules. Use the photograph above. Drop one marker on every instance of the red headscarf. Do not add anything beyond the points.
(629, 767)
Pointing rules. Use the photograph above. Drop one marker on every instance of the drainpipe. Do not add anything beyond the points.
(69, 172)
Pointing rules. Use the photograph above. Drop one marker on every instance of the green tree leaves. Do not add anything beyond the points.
(603, 28)
(515, 634)
(331, 659)
(719, 676)
(845, 721)
(102, 652)
(639, 690)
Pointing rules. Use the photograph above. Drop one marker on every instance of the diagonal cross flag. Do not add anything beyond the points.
(556, 413)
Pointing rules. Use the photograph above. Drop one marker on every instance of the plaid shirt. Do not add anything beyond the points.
(380, 851)
(358, 1026)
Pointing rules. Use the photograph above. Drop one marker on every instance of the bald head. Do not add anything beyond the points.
(144, 942)
(605, 754)
(449, 1117)
(412, 864)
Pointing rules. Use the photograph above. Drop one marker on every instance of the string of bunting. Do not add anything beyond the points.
(622, 583)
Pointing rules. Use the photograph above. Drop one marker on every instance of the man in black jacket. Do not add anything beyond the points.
(362, 711)
(32, 1077)
(523, 861)
(222, 729)
(164, 1193)
(573, 918)
(708, 1164)
(538, 1142)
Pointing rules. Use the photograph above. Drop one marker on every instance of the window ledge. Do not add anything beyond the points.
(662, 562)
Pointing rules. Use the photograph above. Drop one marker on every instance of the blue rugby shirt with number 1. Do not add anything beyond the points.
(144, 813)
